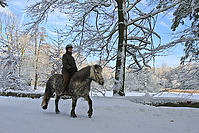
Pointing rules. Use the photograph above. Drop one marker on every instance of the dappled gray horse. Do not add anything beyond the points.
(79, 86)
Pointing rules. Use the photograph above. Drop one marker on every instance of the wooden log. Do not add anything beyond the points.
(20, 94)
(178, 104)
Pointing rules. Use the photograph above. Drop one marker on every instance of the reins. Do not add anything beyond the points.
(96, 76)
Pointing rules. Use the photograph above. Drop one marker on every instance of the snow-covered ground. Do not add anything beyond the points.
(111, 115)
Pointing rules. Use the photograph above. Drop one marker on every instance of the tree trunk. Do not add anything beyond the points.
(36, 76)
(37, 50)
(121, 54)
(36, 61)
(41, 35)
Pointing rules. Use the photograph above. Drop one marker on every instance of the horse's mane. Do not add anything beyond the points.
(82, 74)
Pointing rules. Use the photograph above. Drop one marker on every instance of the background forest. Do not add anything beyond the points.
(29, 56)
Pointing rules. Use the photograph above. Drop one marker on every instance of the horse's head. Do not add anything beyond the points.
(96, 74)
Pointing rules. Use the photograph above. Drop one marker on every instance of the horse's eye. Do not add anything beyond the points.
(97, 72)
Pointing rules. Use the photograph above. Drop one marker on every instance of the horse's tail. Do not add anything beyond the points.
(44, 98)
(47, 94)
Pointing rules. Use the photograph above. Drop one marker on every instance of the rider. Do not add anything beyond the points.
(69, 67)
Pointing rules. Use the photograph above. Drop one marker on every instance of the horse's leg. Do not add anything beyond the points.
(90, 110)
(56, 104)
(72, 113)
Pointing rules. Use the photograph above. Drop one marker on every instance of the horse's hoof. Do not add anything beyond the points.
(89, 116)
(73, 115)
(57, 112)
(90, 112)
(44, 107)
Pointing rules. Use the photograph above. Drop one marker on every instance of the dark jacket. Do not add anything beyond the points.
(69, 64)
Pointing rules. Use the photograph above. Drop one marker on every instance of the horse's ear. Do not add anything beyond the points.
(98, 66)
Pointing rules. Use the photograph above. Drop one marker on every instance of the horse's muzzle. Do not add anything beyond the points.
(101, 82)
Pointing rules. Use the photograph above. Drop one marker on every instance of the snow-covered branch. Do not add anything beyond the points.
(39, 12)
(132, 6)
(149, 30)
(153, 13)
(3, 3)
(141, 39)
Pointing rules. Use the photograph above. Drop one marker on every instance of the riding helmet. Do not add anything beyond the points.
(68, 46)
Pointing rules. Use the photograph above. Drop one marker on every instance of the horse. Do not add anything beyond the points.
(79, 86)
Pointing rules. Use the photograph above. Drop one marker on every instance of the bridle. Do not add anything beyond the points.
(96, 76)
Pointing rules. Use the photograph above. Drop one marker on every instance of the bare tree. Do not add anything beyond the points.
(9, 49)
(24, 42)
(55, 54)
(39, 35)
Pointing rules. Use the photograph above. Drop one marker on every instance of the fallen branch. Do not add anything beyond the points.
(19, 94)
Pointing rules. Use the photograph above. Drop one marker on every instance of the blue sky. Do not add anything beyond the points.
(162, 28)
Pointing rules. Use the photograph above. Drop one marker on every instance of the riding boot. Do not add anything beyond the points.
(65, 83)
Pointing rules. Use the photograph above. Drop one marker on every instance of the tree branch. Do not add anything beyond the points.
(141, 39)
(128, 9)
(154, 13)
(142, 27)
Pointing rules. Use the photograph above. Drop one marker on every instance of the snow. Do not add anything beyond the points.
(111, 115)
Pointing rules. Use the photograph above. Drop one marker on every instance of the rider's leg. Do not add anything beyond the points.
(65, 83)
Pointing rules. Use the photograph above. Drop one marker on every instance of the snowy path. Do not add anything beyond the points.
(111, 115)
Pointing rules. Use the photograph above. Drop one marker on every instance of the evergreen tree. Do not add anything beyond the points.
(189, 37)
